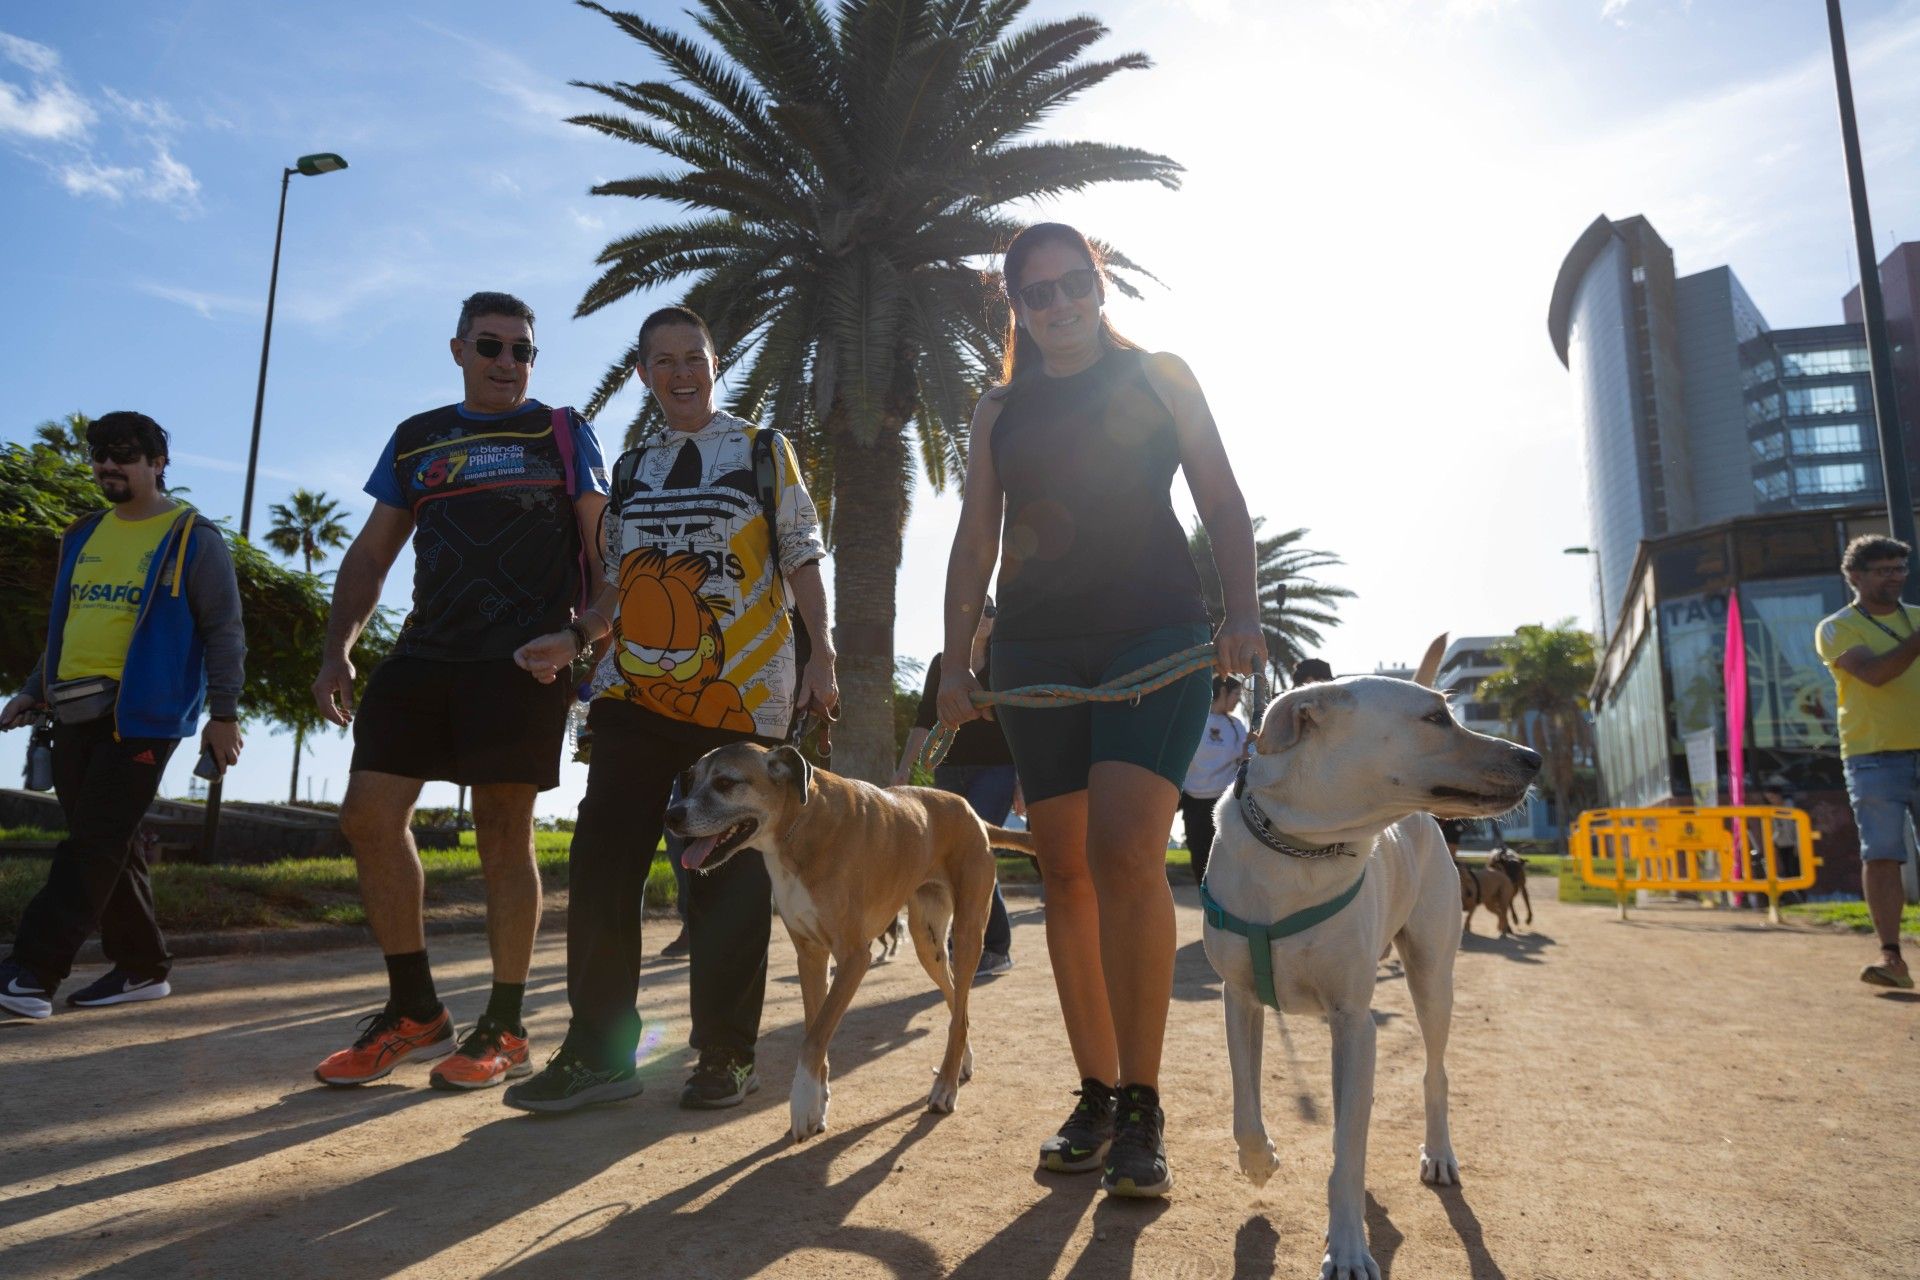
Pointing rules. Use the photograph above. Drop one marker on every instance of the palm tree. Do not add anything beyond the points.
(308, 525)
(65, 436)
(1293, 606)
(848, 170)
(1541, 691)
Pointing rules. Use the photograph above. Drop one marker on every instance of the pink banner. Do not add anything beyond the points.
(1734, 673)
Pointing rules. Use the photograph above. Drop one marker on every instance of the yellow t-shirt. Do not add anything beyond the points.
(103, 600)
(1886, 718)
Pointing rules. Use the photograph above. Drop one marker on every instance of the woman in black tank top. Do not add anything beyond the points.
(1068, 484)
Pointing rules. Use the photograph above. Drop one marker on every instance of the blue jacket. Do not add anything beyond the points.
(188, 648)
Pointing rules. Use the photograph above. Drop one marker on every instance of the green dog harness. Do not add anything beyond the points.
(1260, 937)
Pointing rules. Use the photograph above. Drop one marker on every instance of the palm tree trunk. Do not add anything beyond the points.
(869, 513)
(299, 741)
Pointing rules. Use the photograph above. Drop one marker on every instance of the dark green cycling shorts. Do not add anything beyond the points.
(1054, 748)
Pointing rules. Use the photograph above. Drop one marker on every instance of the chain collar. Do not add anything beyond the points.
(1265, 832)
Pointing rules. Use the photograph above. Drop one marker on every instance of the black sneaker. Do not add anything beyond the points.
(567, 1084)
(1083, 1140)
(22, 994)
(720, 1080)
(119, 987)
(1137, 1162)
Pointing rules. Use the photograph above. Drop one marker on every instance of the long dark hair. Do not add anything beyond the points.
(1022, 353)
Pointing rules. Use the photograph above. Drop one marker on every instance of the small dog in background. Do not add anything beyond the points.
(1488, 887)
(889, 939)
(1515, 867)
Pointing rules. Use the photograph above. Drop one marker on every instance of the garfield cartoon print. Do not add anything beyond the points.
(671, 647)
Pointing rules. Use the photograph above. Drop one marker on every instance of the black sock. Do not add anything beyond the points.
(503, 1006)
(410, 986)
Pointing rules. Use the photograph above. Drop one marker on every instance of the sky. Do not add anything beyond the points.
(1377, 196)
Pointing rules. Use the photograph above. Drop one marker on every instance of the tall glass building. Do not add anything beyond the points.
(1694, 411)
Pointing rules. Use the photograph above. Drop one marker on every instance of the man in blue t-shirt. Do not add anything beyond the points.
(501, 496)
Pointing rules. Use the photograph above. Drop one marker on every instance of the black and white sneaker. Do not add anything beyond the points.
(720, 1080)
(567, 1084)
(22, 994)
(1137, 1162)
(118, 986)
(1083, 1140)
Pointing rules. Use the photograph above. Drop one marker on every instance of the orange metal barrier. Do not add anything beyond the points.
(1721, 849)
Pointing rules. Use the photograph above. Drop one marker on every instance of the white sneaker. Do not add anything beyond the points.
(22, 995)
(118, 986)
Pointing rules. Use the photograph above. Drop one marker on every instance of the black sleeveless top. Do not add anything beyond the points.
(1090, 543)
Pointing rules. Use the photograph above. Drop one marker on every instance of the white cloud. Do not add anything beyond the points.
(47, 109)
(53, 123)
(207, 305)
(37, 58)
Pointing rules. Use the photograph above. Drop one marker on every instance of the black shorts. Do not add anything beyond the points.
(470, 723)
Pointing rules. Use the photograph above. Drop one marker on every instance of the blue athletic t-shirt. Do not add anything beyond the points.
(495, 542)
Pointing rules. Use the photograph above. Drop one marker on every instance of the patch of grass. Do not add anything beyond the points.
(10, 834)
(1850, 915)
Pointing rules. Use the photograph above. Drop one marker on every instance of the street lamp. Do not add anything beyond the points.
(1599, 584)
(1886, 404)
(312, 166)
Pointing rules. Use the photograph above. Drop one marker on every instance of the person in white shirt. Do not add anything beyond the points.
(1222, 747)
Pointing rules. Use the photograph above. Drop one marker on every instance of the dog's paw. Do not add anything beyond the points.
(943, 1096)
(807, 1106)
(1258, 1160)
(1349, 1261)
(1440, 1168)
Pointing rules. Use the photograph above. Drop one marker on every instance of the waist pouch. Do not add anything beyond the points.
(82, 700)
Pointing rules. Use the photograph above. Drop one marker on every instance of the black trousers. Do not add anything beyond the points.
(636, 757)
(97, 878)
(1198, 816)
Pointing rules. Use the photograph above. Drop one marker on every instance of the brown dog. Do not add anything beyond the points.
(1515, 867)
(844, 858)
(1487, 887)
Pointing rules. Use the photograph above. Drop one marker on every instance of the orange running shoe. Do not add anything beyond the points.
(490, 1054)
(386, 1040)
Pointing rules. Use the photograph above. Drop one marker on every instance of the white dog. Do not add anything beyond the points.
(1327, 846)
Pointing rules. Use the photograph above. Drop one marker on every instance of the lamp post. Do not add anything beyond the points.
(1886, 405)
(1599, 586)
(312, 166)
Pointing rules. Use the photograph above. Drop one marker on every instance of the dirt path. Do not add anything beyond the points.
(1686, 1095)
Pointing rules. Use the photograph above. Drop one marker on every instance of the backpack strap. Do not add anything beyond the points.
(564, 442)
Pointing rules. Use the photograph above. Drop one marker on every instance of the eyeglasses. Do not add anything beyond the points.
(1886, 571)
(120, 453)
(523, 352)
(1076, 284)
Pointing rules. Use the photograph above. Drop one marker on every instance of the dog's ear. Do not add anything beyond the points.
(1297, 713)
(786, 764)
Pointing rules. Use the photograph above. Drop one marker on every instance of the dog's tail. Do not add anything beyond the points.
(1017, 841)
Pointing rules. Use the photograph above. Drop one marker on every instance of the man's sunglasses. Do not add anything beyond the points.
(1075, 284)
(523, 352)
(120, 453)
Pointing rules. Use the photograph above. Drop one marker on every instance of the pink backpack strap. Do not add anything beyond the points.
(563, 441)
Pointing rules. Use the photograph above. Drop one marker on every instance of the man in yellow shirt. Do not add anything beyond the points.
(145, 633)
(1870, 647)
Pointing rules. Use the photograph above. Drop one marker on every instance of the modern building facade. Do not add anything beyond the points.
(1695, 411)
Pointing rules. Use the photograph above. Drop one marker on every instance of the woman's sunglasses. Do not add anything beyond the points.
(523, 352)
(1075, 284)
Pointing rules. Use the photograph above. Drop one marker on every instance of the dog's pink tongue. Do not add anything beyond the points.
(697, 850)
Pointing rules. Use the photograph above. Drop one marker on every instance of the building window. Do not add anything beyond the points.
(1768, 448)
(1771, 487)
(1813, 400)
(1815, 364)
(1754, 374)
(1841, 437)
(1830, 477)
(1764, 409)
